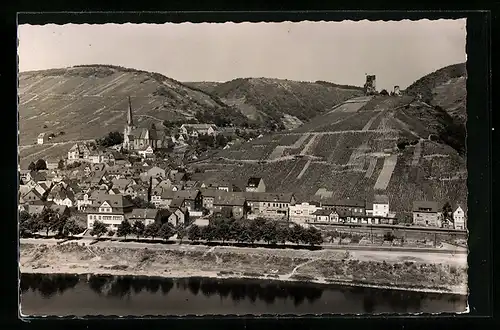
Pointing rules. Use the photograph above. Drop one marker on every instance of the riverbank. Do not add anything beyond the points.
(322, 267)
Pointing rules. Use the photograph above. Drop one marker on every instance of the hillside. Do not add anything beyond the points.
(87, 102)
(364, 146)
(206, 86)
(285, 101)
(446, 88)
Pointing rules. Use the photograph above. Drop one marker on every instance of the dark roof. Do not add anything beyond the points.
(380, 199)
(425, 206)
(38, 176)
(177, 202)
(344, 202)
(268, 197)
(229, 199)
(253, 182)
(115, 201)
(185, 194)
(143, 214)
(323, 212)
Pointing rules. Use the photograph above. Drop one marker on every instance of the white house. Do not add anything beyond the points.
(381, 206)
(41, 138)
(197, 129)
(459, 218)
(322, 215)
(303, 212)
(109, 209)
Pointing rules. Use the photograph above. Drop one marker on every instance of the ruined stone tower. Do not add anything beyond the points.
(370, 85)
(397, 92)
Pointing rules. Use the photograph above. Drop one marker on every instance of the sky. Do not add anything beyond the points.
(397, 52)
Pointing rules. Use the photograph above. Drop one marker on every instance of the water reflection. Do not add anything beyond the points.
(269, 293)
(48, 285)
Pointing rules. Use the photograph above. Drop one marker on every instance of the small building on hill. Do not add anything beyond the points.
(255, 185)
(41, 138)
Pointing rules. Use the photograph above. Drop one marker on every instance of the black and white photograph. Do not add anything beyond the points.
(254, 168)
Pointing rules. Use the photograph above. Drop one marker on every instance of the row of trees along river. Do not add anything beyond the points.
(220, 228)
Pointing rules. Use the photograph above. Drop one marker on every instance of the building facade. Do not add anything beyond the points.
(459, 219)
(425, 214)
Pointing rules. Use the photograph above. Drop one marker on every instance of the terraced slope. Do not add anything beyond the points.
(352, 151)
(286, 101)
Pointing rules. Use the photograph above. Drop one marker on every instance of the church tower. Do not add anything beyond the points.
(127, 144)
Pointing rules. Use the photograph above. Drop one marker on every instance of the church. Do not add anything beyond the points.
(135, 138)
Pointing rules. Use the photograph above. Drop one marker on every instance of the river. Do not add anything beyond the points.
(80, 295)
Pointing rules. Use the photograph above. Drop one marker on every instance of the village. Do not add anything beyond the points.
(123, 187)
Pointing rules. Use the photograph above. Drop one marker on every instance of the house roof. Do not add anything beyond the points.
(143, 214)
(35, 192)
(420, 206)
(380, 199)
(177, 202)
(323, 212)
(38, 176)
(268, 197)
(115, 201)
(344, 202)
(35, 208)
(229, 199)
(199, 126)
(186, 194)
(253, 182)
(121, 184)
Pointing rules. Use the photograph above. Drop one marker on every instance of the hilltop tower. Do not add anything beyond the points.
(397, 92)
(370, 85)
(127, 132)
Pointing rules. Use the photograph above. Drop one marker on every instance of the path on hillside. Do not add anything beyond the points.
(277, 153)
(416, 153)
(25, 146)
(386, 173)
(304, 151)
(380, 131)
(371, 167)
(306, 166)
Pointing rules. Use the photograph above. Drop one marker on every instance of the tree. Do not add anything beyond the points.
(138, 228)
(25, 223)
(222, 229)
(180, 230)
(124, 229)
(270, 232)
(296, 234)
(60, 165)
(152, 230)
(142, 204)
(313, 236)
(98, 229)
(194, 233)
(166, 231)
(40, 165)
(282, 234)
(112, 139)
(46, 220)
(32, 166)
(384, 92)
(447, 211)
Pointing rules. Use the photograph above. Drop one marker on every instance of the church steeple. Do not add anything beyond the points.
(130, 121)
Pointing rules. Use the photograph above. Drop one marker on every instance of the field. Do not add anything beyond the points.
(88, 102)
